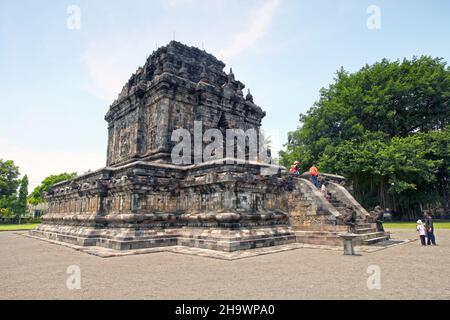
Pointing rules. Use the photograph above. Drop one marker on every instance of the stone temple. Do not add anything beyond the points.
(141, 199)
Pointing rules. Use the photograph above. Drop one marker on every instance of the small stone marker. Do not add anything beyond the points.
(349, 249)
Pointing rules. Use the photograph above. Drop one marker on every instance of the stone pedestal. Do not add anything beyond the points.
(148, 196)
(218, 206)
(348, 238)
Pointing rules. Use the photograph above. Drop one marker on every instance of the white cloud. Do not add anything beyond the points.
(186, 3)
(38, 164)
(259, 23)
(110, 62)
(175, 3)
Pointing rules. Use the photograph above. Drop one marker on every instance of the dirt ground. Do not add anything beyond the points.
(34, 269)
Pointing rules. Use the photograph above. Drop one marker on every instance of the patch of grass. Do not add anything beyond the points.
(412, 225)
(18, 227)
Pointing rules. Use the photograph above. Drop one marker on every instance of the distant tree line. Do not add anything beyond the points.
(13, 191)
(14, 197)
(38, 194)
(387, 129)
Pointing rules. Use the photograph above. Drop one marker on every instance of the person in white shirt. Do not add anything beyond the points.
(325, 193)
(422, 231)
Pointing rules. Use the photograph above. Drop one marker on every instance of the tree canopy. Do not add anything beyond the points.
(9, 182)
(9, 177)
(37, 196)
(14, 190)
(387, 129)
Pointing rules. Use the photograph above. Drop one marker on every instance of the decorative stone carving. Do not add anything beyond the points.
(140, 199)
(141, 191)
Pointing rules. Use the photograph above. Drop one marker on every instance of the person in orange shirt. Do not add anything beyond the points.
(314, 172)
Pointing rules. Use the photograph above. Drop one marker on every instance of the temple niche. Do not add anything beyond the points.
(141, 199)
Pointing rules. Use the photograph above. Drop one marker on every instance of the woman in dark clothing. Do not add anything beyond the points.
(429, 228)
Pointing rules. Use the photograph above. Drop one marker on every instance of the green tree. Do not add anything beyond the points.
(8, 205)
(5, 213)
(22, 198)
(37, 196)
(385, 128)
(9, 181)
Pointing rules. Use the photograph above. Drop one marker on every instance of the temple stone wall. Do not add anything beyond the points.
(196, 190)
(177, 86)
(141, 199)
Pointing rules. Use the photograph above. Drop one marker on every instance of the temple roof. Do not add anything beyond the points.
(189, 63)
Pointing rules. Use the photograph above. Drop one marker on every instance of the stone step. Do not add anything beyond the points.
(317, 233)
(365, 230)
(321, 228)
(324, 237)
(360, 225)
(333, 238)
(376, 240)
(371, 235)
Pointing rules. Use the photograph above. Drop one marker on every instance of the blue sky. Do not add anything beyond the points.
(57, 83)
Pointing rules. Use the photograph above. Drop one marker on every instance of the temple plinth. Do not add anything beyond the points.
(226, 202)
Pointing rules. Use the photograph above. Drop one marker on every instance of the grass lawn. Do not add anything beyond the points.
(412, 225)
(17, 227)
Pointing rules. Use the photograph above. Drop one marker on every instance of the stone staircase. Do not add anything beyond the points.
(367, 232)
(340, 207)
(367, 235)
(328, 233)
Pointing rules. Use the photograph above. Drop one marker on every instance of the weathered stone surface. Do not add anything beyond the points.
(142, 200)
(177, 86)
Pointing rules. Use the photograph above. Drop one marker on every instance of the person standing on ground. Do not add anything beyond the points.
(430, 229)
(422, 232)
(314, 172)
(379, 220)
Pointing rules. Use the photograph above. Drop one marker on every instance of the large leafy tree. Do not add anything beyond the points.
(9, 177)
(37, 196)
(385, 127)
(9, 181)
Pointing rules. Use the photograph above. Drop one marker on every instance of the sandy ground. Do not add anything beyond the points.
(34, 269)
